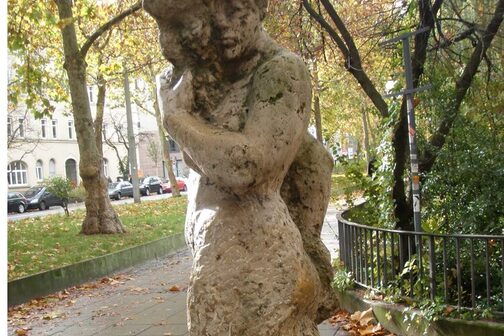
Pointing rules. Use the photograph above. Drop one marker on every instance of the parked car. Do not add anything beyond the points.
(166, 186)
(16, 202)
(39, 197)
(150, 184)
(117, 190)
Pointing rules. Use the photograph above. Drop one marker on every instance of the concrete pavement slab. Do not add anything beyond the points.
(166, 330)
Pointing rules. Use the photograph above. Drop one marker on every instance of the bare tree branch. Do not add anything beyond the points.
(107, 25)
(351, 55)
(448, 42)
(146, 110)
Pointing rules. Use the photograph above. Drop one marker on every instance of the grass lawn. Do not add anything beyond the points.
(43, 243)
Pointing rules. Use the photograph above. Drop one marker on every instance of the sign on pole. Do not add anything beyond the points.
(408, 94)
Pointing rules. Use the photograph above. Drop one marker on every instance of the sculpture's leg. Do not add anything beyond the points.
(306, 191)
(251, 275)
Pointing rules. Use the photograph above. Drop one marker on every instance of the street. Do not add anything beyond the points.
(74, 206)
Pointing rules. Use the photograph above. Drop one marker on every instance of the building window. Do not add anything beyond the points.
(43, 125)
(9, 126)
(16, 173)
(54, 128)
(90, 91)
(105, 167)
(70, 129)
(39, 171)
(173, 146)
(21, 128)
(52, 168)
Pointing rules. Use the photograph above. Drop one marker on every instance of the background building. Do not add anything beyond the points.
(38, 149)
(151, 156)
(42, 148)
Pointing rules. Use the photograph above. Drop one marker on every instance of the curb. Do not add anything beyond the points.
(40, 284)
(410, 322)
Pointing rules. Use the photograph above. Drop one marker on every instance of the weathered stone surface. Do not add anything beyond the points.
(306, 190)
(239, 105)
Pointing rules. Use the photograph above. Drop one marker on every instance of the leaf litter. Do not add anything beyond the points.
(359, 323)
(46, 308)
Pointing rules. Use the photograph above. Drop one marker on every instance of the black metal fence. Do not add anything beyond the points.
(460, 270)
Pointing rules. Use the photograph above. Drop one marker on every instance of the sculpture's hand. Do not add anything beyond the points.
(176, 93)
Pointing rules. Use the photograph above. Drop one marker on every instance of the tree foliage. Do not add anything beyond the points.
(39, 82)
(36, 77)
(459, 39)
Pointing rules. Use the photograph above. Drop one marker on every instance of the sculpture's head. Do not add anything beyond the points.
(238, 25)
(184, 29)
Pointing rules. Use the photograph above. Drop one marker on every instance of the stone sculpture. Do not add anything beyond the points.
(238, 105)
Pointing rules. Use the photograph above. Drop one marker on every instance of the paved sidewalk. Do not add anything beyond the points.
(143, 301)
(329, 233)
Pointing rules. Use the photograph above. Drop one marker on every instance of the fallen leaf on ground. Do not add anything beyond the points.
(22, 332)
(174, 288)
(111, 281)
(359, 323)
(88, 286)
(375, 330)
(52, 315)
(347, 327)
(448, 310)
(356, 315)
(367, 317)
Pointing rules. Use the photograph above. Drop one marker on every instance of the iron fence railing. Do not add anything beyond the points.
(460, 270)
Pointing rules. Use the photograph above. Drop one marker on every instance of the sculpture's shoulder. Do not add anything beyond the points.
(286, 64)
(283, 72)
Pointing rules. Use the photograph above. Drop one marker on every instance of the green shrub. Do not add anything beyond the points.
(61, 188)
(342, 280)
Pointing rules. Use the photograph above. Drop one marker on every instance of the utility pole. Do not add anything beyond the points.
(131, 138)
(408, 94)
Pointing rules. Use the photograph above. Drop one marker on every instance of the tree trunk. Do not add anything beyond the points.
(100, 108)
(65, 207)
(100, 216)
(316, 103)
(165, 148)
(403, 212)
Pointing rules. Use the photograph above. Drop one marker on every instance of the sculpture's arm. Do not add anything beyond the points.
(279, 109)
